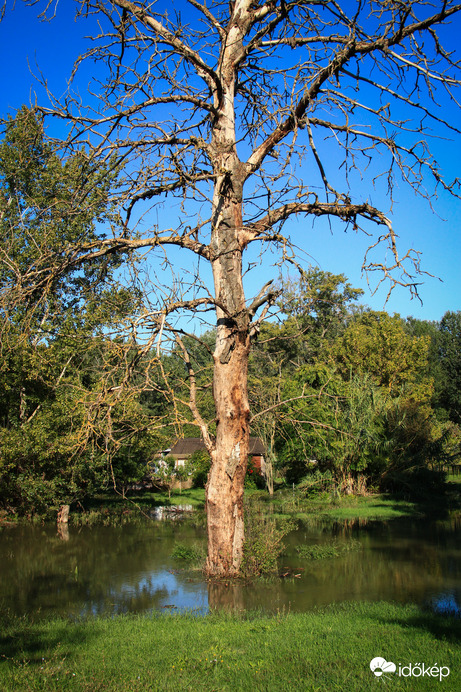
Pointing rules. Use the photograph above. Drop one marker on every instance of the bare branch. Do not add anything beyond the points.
(142, 15)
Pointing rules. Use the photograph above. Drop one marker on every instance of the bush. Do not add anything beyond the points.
(200, 464)
(263, 542)
(414, 483)
(188, 553)
(317, 482)
(253, 478)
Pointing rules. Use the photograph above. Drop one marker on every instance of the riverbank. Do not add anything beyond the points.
(329, 649)
(289, 503)
(109, 508)
(293, 502)
(119, 511)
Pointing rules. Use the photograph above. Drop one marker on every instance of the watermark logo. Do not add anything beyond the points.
(381, 668)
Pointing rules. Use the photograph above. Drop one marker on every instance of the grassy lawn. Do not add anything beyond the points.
(329, 649)
(372, 507)
(346, 507)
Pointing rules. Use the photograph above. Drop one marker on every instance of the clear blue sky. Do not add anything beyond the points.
(52, 47)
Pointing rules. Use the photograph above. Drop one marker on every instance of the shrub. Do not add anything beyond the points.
(253, 477)
(200, 465)
(317, 482)
(263, 542)
(188, 553)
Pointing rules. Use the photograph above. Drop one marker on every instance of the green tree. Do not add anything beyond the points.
(448, 346)
(59, 428)
(363, 407)
(320, 303)
(378, 344)
(200, 465)
(316, 309)
(46, 204)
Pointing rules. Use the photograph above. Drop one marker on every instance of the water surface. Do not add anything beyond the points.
(120, 569)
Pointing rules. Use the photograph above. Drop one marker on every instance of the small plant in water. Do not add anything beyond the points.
(188, 553)
(263, 542)
(327, 550)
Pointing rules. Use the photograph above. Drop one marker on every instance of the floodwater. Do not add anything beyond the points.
(120, 569)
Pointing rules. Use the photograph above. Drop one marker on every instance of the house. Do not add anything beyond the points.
(184, 448)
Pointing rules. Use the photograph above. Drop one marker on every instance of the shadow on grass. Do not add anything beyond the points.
(431, 492)
(23, 640)
(444, 628)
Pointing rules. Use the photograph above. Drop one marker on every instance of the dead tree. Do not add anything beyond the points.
(244, 115)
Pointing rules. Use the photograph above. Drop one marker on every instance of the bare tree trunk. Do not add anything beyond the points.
(225, 485)
(229, 458)
(269, 472)
(63, 514)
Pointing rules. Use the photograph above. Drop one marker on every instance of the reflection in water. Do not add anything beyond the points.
(172, 512)
(63, 531)
(107, 570)
(226, 595)
(446, 604)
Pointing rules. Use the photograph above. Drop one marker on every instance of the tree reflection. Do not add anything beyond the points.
(226, 595)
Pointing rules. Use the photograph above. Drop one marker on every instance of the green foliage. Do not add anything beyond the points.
(200, 465)
(448, 345)
(317, 482)
(377, 344)
(47, 205)
(189, 553)
(68, 421)
(253, 478)
(361, 409)
(263, 541)
(318, 303)
(415, 483)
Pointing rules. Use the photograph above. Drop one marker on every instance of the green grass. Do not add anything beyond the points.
(372, 507)
(284, 503)
(327, 550)
(112, 509)
(326, 650)
(346, 507)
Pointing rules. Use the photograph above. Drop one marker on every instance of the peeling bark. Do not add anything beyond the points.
(229, 457)
(224, 503)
